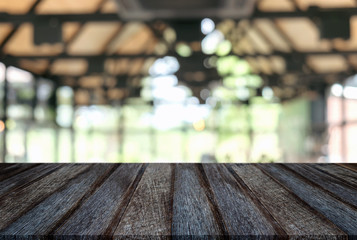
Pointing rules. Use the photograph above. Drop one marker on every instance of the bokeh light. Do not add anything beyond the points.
(207, 26)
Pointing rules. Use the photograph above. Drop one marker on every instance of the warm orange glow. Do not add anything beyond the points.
(2, 126)
(199, 125)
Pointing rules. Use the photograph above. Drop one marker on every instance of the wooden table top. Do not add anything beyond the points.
(250, 201)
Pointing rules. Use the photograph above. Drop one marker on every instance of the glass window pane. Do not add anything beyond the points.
(93, 118)
(1, 97)
(233, 148)
(265, 148)
(351, 109)
(199, 144)
(293, 129)
(99, 146)
(138, 147)
(335, 144)
(233, 118)
(15, 140)
(41, 144)
(64, 146)
(1, 146)
(169, 146)
(137, 116)
(351, 139)
(19, 111)
(265, 117)
(82, 146)
(334, 110)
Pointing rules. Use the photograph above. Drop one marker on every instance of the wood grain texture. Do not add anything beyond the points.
(178, 201)
(149, 211)
(52, 211)
(347, 175)
(350, 166)
(239, 208)
(100, 214)
(296, 217)
(341, 214)
(26, 177)
(21, 200)
(337, 186)
(194, 210)
(7, 170)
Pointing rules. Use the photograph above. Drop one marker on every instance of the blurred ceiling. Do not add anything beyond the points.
(91, 44)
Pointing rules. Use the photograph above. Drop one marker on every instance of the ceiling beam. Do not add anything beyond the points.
(274, 78)
(15, 58)
(99, 17)
(81, 18)
(34, 6)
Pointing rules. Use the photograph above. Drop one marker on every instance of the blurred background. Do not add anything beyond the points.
(183, 81)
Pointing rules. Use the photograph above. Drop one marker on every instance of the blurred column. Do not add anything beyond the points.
(73, 133)
(343, 130)
(153, 143)
(4, 119)
(121, 131)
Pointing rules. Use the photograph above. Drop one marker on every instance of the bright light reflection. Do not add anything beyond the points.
(171, 94)
(146, 93)
(193, 101)
(183, 50)
(164, 81)
(241, 68)
(224, 48)
(268, 93)
(168, 116)
(16, 149)
(337, 90)
(2, 72)
(87, 116)
(199, 125)
(65, 92)
(243, 94)
(211, 42)
(194, 113)
(164, 66)
(207, 26)
(64, 115)
(350, 92)
(17, 75)
(171, 115)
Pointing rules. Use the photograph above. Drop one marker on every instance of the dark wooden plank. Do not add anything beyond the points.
(93, 201)
(10, 170)
(4, 166)
(26, 177)
(21, 200)
(41, 219)
(351, 166)
(337, 186)
(194, 212)
(341, 214)
(101, 213)
(296, 217)
(241, 212)
(149, 212)
(345, 174)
